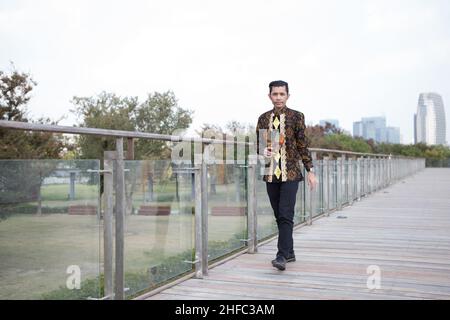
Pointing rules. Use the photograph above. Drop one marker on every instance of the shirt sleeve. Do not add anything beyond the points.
(258, 126)
(303, 143)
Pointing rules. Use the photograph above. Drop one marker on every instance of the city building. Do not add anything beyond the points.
(393, 135)
(429, 121)
(335, 122)
(375, 128)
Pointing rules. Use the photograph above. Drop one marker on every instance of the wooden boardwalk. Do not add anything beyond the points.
(404, 230)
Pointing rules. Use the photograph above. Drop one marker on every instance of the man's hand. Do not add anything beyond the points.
(267, 152)
(312, 180)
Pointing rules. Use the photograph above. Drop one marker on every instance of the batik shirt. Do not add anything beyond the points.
(289, 126)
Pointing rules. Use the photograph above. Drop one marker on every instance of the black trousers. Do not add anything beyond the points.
(282, 199)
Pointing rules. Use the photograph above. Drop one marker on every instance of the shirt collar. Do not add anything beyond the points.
(278, 112)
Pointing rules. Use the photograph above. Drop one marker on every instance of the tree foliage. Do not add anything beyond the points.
(15, 93)
(21, 180)
(159, 113)
(330, 137)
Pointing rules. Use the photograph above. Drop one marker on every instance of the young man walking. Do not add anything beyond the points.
(281, 139)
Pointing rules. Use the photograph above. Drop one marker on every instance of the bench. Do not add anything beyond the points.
(82, 210)
(154, 210)
(228, 211)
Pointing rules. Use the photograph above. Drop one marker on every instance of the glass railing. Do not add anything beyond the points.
(300, 204)
(265, 219)
(158, 237)
(227, 209)
(154, 220)
(49, 229)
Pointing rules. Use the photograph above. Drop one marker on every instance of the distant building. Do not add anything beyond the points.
(393, 135)
(357, 129)
(375, 128)
(429, 121)
(335, 122)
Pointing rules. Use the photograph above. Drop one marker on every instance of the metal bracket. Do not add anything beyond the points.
(99, 171)
(108, 296)
(185, 169)
(191, 262)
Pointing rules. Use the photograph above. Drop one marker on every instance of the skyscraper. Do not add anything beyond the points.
(429, 121)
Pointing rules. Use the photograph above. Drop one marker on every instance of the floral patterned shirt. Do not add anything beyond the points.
(284, 131)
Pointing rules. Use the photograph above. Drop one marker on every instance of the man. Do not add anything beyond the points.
(281, 138)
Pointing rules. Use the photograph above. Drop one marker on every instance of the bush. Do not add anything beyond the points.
(93, 288)
(8, 210)
(140, 282)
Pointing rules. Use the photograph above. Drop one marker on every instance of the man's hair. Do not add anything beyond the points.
(278, 83)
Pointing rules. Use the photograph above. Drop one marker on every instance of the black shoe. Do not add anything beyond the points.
(291, 258)
(279, 263)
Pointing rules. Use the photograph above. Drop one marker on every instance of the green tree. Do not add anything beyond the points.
(105, 111)
(22, 180)
(159, 113)
(15, 89)
(346, 142)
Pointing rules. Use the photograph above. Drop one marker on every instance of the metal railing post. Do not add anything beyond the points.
(252, 225)
(339, 162)
(350, 180)
(374, 174)
(379, 185)
(325, 182)
(120, 220)
(367, 188)
(198, 217)
(204, 211)
(108, 241)
(358, 179)
(369, 179)
(311, 193)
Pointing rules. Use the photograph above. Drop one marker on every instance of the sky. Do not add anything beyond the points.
(344, 59)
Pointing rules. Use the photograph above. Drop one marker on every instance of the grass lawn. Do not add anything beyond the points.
(36, 251)
(60, 192)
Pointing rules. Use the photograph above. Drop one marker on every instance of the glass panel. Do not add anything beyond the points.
(227, 209)
(318, 192)
(345, 186)
(355, 179)
(267, 225)
(49, 229)
(364, 176)
(159, 223)
(299, 213)
(332, 185)
(325, 185)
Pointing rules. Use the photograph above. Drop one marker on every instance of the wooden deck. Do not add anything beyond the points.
(403, 229)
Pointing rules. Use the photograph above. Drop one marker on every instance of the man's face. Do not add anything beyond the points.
(279, 96)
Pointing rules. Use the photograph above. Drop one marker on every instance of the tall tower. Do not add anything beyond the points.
(430, 119)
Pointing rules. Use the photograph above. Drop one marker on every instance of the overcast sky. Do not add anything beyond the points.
(343, 59)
